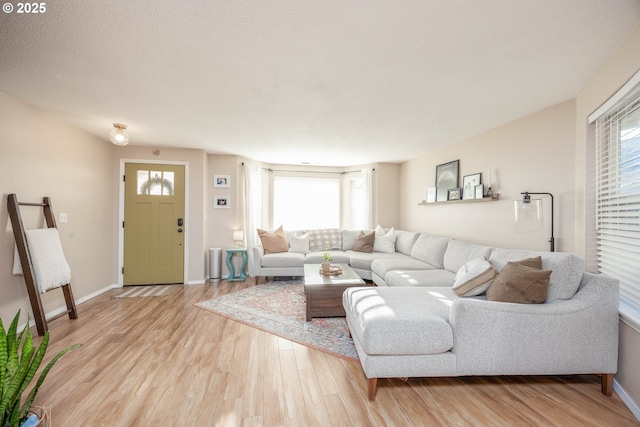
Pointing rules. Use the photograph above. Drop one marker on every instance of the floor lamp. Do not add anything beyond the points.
(526, 209)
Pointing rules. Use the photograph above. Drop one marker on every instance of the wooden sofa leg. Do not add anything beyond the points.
(372, 386)
(607, 384)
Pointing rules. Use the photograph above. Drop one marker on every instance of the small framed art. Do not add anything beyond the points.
(469, 183)
(454, 194)
(431, 194)
(221, 202)
(479, 191)
(222, 181)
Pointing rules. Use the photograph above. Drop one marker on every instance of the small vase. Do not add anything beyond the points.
(326, 267)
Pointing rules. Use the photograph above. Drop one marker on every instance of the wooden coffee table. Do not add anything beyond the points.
(324, 293)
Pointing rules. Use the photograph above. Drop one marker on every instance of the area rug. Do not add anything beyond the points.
(146, 291)
(279, 308)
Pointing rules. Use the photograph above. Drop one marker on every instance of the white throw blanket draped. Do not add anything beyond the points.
(50, 268)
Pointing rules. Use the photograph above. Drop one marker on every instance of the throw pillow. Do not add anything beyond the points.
(384, 242)
(299, 243)
(275, 242)
(324, 237)
(474, 277)
(364, 242)
(520, 283)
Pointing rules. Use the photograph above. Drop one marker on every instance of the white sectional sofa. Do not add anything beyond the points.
(412, 324)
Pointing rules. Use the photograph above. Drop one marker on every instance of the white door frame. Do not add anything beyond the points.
(123, 162)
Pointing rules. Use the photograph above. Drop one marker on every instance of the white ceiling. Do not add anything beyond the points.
(331, 82)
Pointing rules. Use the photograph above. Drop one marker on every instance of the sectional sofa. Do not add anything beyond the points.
(413, 324)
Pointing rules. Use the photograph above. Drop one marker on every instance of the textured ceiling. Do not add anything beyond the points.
(327, 82)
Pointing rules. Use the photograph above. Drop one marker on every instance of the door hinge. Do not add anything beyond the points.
(124, 178)
(122, 224)
(122, 270)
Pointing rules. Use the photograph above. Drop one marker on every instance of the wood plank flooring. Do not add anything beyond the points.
(161, 361)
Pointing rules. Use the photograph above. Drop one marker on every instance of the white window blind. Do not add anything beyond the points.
(618, 194)
(306, 203)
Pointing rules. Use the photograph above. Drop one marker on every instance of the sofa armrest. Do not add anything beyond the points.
(258, 253)
(579, 335)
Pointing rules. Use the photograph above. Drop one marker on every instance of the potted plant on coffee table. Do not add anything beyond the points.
(326, 265)
(19, 362)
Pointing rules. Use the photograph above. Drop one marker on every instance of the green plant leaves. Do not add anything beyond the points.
(19, 363)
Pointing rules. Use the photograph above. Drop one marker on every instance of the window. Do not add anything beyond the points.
(617, 133)
(306, 203)
(155, 183)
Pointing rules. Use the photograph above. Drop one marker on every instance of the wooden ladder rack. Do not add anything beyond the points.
(27, 266)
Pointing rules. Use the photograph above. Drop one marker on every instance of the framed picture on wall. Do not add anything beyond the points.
(222, 181)
(221, 202)
(431, 194)
(479, 191)
(454, 194)
(469, 183)
(446, 179)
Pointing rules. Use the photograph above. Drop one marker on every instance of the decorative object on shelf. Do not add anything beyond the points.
(454, 194)
(479, 191)
(118, 135)
(222, 181)
(488, 185)
(529, 209)
(447, 175)
(493, 198)
(221, 202)
(469, 183)
(238, 237)
(431, 194)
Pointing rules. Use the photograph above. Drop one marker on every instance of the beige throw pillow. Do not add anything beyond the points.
(275, 242)
(364, 242)
(520, 283)
(474, 277)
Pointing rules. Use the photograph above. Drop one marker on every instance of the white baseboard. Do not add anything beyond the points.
(633, 406)
(63, 309)
(196, 282)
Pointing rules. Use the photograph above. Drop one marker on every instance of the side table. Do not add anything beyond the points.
(233, 277)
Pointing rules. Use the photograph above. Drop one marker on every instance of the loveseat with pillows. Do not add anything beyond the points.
(445, 307)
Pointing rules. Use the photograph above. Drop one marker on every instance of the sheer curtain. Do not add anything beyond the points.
(367, 185)
(253, 204)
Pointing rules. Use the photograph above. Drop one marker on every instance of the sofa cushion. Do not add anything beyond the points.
(283, 259)
(273, 242)
(349, 239)
(566, 269)
(362, 261)
(320, 238)
(430, 249)
(405, 241)
(299, 243)
(317, 257)
(400, 321)
(519, 283)
(364, 242)
(381, 266)
(474, 277)
(459, 252)
(384, 242)
(424, 278)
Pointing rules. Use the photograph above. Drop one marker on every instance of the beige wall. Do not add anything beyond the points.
(222, 222)
(614, 73)
(42, 156)
(386, 197)
(534, 153)
(196, 225)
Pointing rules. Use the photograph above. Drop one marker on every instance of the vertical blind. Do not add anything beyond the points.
(618, 194)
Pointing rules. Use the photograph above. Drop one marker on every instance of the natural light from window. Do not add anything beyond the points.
(306, 203)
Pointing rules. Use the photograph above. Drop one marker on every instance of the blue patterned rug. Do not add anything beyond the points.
(279, 308)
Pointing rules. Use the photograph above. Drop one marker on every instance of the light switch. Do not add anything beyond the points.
(64, 217)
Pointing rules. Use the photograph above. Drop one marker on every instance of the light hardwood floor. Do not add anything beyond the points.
(161, 361)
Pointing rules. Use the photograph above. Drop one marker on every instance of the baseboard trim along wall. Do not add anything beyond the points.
(633, 407)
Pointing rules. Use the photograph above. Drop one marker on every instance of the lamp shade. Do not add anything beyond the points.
(529, 211)
(238, 236)
(118, 135)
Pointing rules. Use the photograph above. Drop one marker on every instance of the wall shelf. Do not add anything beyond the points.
(493, 198)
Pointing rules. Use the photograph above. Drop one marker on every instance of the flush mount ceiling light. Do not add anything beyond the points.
(118, 135)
